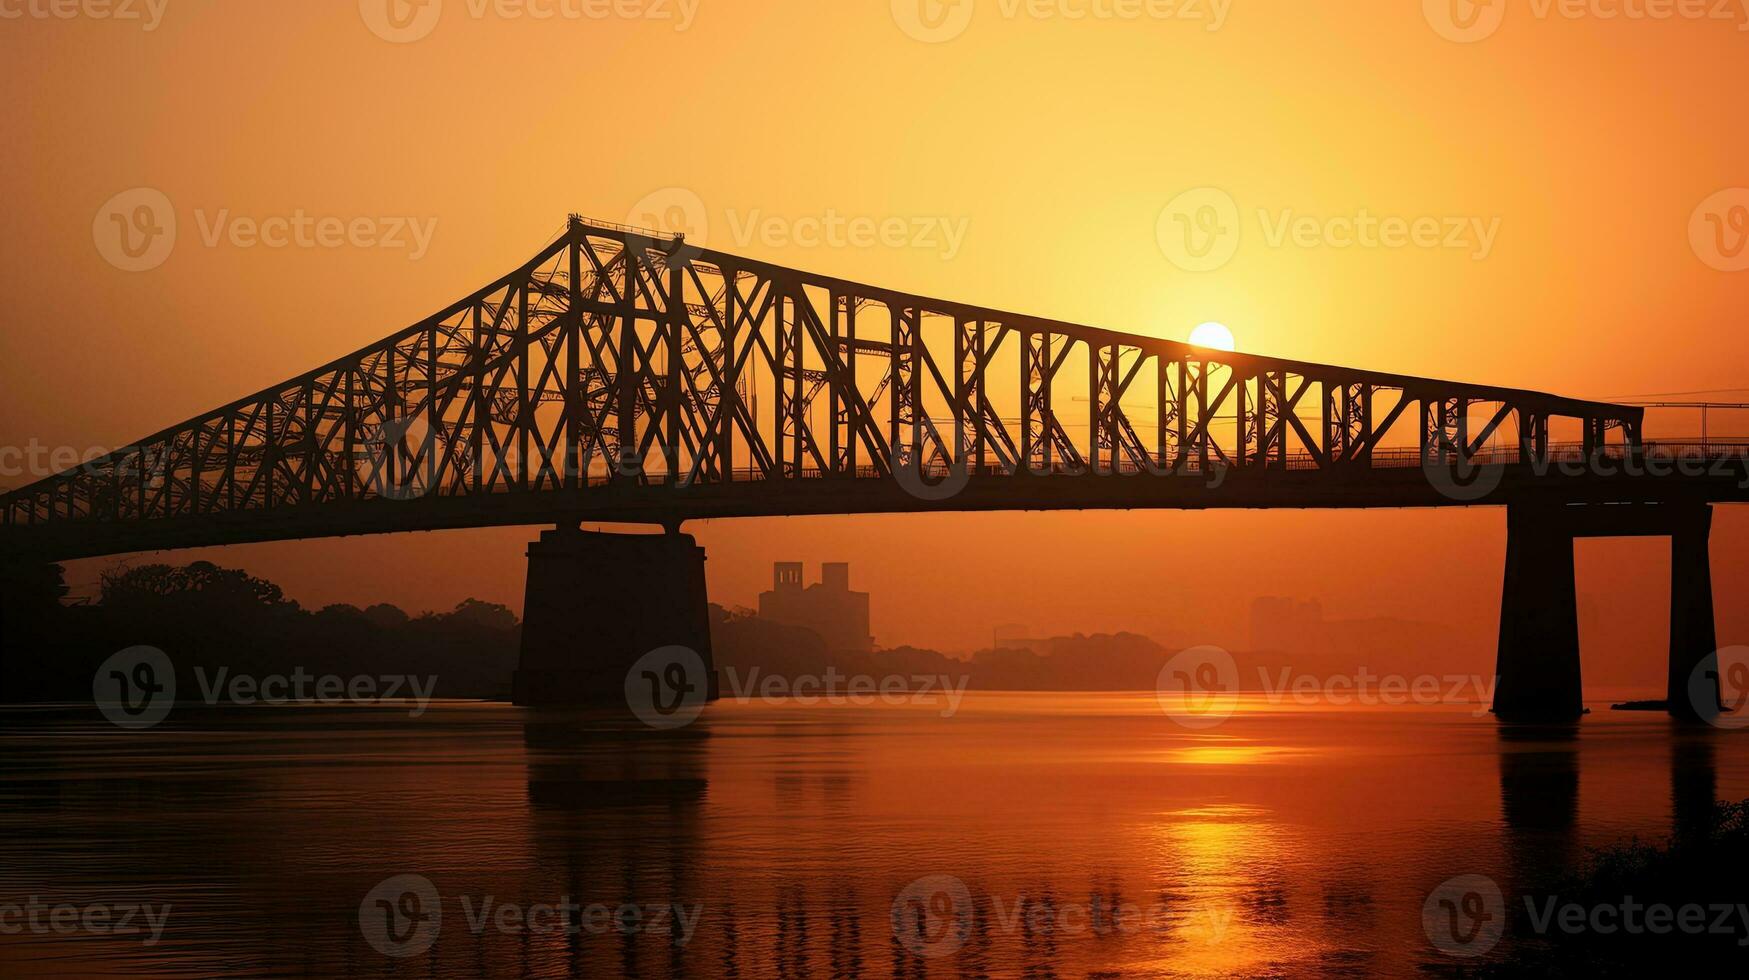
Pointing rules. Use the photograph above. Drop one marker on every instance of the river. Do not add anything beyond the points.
(1019, 835)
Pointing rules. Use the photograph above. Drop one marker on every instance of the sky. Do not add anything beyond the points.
(1580, 166)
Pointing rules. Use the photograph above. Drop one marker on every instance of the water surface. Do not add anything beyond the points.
(1054, 835)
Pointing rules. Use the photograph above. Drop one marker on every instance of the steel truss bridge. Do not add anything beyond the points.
(625, 376)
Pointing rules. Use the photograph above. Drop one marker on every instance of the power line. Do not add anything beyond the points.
(1676, 394)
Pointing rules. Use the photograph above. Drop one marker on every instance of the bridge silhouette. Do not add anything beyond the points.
(626, 376)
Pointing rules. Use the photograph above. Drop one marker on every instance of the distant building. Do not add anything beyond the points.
(828, 608)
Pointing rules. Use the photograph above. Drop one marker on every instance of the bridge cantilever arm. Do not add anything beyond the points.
(654, 357)
(1098, 336)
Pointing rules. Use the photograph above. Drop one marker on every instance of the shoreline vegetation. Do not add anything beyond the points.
(208, 618)
(1641, 908)
(213, 621)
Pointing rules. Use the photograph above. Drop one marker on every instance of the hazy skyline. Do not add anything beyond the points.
(830, 137)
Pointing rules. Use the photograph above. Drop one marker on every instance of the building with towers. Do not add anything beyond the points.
(827, 607)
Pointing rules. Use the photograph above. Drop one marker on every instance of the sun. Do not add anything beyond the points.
(1214, 336)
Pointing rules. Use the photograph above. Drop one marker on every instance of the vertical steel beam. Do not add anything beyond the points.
(672, 328)
(575, 397)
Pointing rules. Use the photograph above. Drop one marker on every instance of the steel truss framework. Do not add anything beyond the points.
(620, 374)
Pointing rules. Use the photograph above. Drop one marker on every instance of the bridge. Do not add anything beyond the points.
(626, 376)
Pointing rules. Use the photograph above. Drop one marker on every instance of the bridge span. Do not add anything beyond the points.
(624, 376)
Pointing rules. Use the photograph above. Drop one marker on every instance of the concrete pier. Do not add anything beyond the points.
(1537, 672)
(1537, 677)
(30, 599)
(1693, 631)
(596, 603)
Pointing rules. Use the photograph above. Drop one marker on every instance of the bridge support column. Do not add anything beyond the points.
(30, 606)
(1537, 672)
(596, 603)
(1693, 634)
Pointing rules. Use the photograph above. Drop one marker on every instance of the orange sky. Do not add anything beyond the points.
(1052, 142)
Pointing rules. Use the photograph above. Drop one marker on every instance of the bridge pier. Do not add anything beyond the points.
(1537, 675)
(596, 603)
(1693, 630)
(30, 605)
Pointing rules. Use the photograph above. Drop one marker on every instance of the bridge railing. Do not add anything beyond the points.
(1562, 457)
